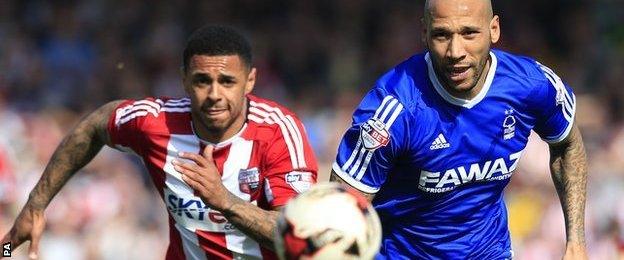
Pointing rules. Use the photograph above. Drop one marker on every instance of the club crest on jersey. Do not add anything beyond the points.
(509, 124)
(299, 181)
(248, 180)
(374, 134)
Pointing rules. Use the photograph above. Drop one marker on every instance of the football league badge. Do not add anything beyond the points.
(374, 134)
(248, 180)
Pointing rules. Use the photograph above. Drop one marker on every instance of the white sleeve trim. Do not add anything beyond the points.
(352, 181)
(566, 132)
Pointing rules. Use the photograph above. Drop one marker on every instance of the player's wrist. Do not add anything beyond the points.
(575, 250)
(575, 244)
(228, 203)
(34, 206)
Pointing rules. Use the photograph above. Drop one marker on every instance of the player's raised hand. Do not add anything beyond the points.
(203, 176)
(29, 225)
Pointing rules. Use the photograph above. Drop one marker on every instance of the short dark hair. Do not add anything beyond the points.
(216, 40)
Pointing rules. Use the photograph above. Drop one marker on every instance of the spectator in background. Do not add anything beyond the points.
(582, 40)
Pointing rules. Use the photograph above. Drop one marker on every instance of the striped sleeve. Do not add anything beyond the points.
(370, 146)
(126, 124)
(556, 106)
(289, 160)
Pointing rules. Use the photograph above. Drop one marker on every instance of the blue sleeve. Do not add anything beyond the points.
(375, 139)
(555, 104)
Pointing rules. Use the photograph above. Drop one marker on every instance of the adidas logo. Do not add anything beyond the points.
(439, 143)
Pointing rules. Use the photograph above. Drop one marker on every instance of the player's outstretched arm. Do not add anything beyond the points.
(76, 150)
(568, 165)
(203, 176)
(335, 178)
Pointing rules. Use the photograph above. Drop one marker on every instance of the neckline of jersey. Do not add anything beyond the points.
(467, 103)
(222, 143)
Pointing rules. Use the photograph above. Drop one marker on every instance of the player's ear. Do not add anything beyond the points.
(423, 36)
(182, 72)
(251, 80)
(495, 29)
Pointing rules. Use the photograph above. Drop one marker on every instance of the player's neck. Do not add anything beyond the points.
(473, 92)
(214, 136)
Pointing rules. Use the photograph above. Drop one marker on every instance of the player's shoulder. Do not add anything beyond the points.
(157, 105)
(519, 67)
(150, 112)
(268, 105)
(404, 82)
(268, 118)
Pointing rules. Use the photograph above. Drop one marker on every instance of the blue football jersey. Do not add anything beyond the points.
(438, 164)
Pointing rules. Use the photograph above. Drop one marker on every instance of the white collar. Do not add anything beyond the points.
(222, 143)
(467, 103)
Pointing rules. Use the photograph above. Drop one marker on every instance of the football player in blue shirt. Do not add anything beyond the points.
(435, 141)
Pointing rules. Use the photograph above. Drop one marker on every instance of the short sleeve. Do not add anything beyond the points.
(126, 122)
(369, 148)
(290, 165)
(555, 104)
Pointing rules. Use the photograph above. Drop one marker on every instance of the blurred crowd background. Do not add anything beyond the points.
(61, 59)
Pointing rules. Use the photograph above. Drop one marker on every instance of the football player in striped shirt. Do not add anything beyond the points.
(436, 140)
(223, 161)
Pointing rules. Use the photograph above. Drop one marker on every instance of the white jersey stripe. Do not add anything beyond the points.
(255, 118)
(287, 139)
(300, 156)
(351, 181)
(394, 116)
(180, 100)
(145, 107)
(147, 102)
(132, 116)
(190, 244)
(568, 103)
(178, 105)
(182, 193)
(291, 127)
(388, 109)
(383, 103)
(293, 130)
(358, 161)
(285, 132)
(268, 191)
(238, 159)
(366, 163)
(345, 167)
(131, 109)
(176, 109)
(359, 149)
(367, 158)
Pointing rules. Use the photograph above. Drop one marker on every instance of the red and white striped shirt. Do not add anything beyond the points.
(268, 162)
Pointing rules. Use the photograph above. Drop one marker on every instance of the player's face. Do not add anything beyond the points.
(217, 86)
(458, 34)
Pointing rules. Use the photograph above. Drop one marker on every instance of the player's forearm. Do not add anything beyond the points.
(257, 223)
(569, 173)
(76, 150)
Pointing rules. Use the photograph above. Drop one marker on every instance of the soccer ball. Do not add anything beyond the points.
(329, 221)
